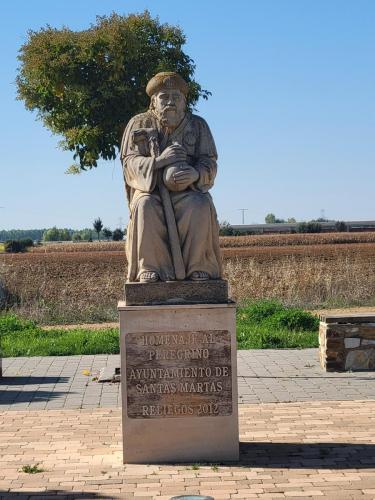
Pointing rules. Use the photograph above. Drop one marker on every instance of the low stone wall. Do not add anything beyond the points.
(347, 343)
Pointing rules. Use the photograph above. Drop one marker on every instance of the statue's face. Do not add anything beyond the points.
(169, 106)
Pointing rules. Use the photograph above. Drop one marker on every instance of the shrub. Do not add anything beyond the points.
(10, 324)
(273, 314)
(117, 235)
(27, 242)
(260, 310)
(267, 324)
(309, 227)
(12, 246)
(341, 226)
(225, 229)
(107, 233)
(293, 319)
(76, 237)
(16, 246)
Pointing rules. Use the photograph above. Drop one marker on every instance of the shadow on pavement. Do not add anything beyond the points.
(10, 397)
(308, 455)
(24, 380)
(52, 494)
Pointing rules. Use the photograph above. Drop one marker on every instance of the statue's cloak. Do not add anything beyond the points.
(147, 233)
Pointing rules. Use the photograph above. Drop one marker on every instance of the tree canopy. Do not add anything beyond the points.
(118, 234)
(55, 234)
(98, 226)
(86, 85)
(270, 219)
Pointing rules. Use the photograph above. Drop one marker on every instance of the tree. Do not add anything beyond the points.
(55, 234)
(86, 85)
(291, 220)
(76, 237)
(107, 233)
(98, 226)
(86, 235)
(52, 234)
(225, 229)
(117, 234)
(65, 235)
(270, 219)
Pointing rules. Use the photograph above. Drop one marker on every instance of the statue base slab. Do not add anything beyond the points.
(176, 292)
(179, 383)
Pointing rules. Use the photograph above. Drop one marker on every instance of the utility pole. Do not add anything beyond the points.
(243, 210)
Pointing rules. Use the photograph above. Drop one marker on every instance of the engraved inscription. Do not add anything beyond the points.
(178, 374)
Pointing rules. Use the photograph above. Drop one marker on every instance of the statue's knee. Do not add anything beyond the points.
(148, 204)
(200, 201)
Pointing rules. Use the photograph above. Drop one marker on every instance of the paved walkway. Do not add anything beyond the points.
(265, 376)
(299, 450)
(304, 434)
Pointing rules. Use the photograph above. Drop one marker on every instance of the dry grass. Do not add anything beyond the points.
(307, 282)
(321, 252)
(277, 240)
(64, 287)
(78, 247)
(71, 286)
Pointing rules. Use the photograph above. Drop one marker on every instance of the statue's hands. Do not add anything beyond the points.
(171, 154)
(179, 177)
(185, 176)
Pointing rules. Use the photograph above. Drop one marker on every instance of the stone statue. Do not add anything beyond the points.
(169, 161)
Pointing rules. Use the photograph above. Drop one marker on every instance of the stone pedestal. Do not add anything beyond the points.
(179, 383)
(176, 292)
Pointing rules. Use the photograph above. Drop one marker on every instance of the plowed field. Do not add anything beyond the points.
(84, 286)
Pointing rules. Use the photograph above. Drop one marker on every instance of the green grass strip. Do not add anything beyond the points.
(267, 324)
(260, 325)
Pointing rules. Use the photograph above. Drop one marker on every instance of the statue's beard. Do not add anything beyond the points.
(170, 116)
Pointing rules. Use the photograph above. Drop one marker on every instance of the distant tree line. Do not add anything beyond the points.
(19, 234)
(62, 234)
(98, 233)
(313, 226)
(272, 219)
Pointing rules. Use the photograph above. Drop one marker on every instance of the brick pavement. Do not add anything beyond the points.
(263, 376)
(315, 449)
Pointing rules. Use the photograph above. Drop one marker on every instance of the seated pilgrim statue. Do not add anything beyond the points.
(169, 160)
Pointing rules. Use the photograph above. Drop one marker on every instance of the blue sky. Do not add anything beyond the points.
(292, 111)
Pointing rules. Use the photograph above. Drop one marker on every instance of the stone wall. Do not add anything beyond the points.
(347, 343)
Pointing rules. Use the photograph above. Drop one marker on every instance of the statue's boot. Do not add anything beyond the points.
(199, 276)
(149, 277)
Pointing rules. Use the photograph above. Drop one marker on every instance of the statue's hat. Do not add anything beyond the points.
(166, 80)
